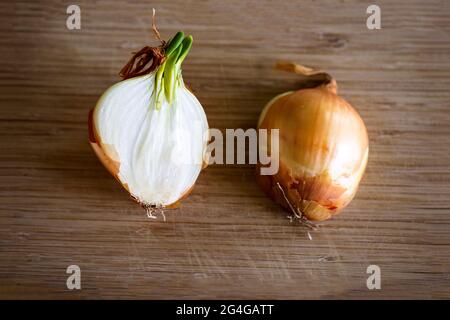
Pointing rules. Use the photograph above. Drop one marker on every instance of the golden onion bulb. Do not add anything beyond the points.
(323, 149)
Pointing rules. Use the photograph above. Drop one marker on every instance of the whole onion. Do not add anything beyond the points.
(323, 148)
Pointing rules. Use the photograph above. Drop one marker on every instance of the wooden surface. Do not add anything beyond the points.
(59, 206)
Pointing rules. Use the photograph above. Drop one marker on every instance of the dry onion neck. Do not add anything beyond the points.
(166, 59)
(319, 78)
(136, 66)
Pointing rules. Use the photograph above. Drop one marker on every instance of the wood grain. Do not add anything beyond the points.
(59, 206)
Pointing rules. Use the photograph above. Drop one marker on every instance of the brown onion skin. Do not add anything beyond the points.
(323, 152)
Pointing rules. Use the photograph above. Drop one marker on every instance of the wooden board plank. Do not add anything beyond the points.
(58, 206)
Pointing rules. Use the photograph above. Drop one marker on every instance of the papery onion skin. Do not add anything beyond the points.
(323, 151)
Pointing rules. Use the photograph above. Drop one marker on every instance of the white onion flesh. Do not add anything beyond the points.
(160, 151)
